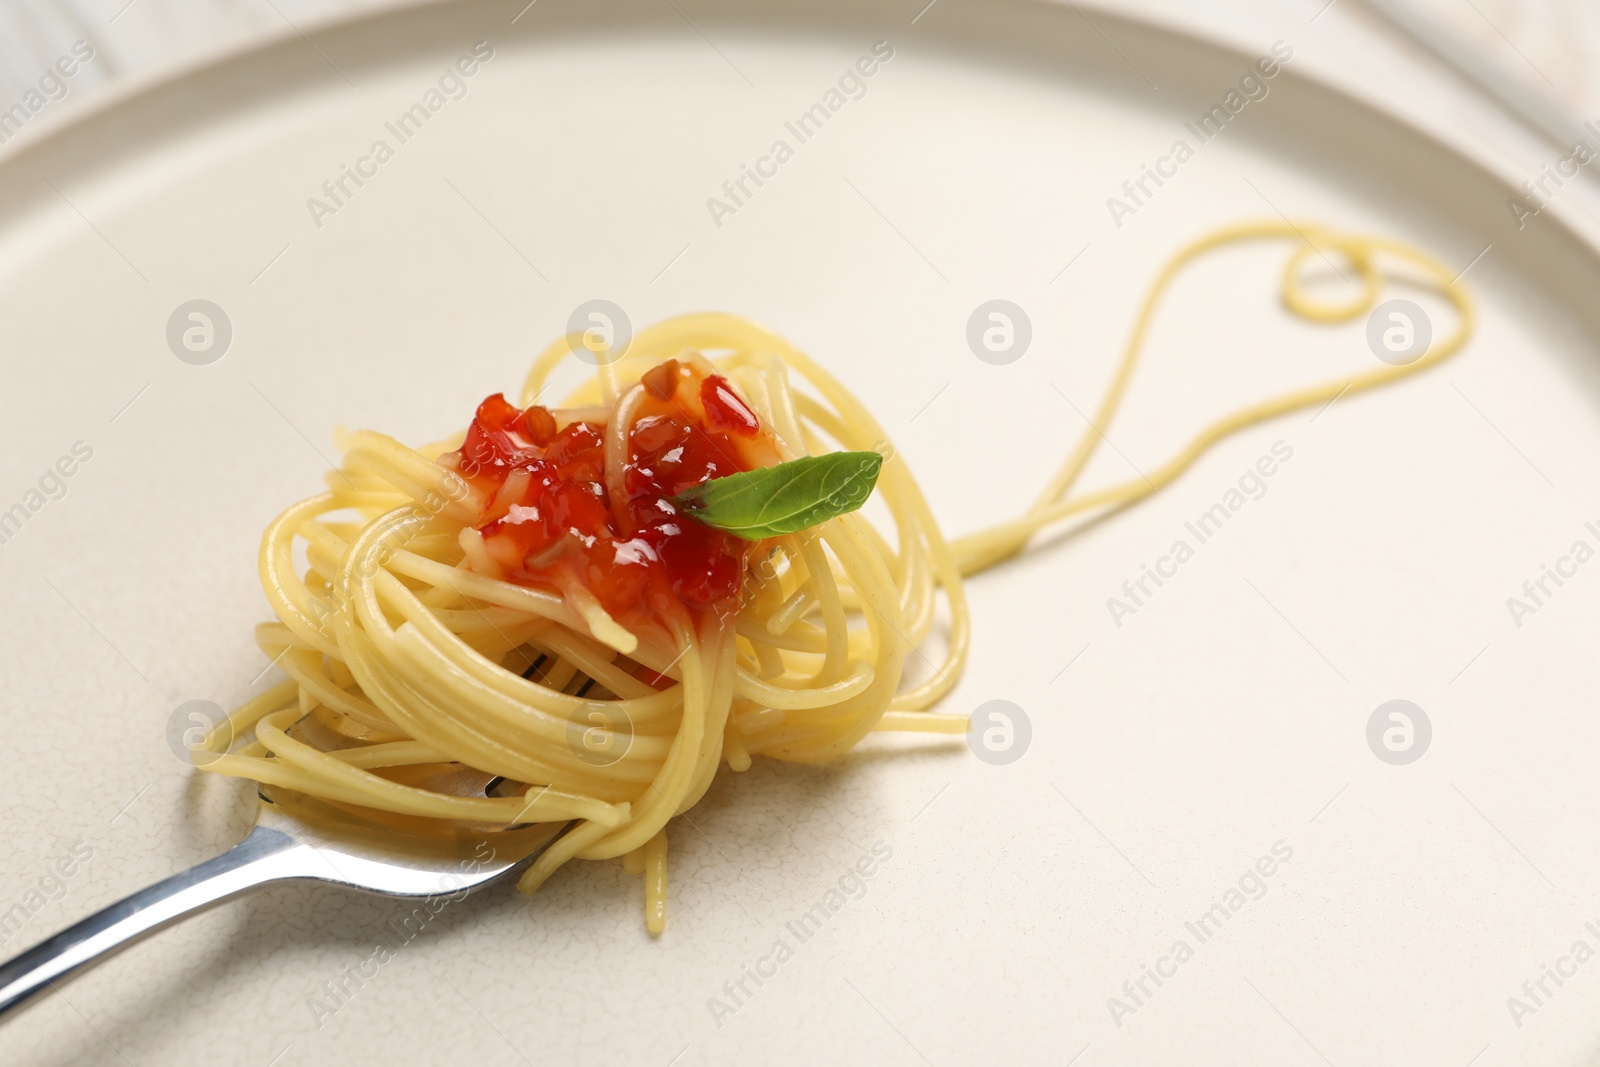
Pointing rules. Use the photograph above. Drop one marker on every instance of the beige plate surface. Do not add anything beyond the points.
(1224, 719)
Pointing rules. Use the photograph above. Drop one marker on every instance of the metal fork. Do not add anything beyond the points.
(295, 840)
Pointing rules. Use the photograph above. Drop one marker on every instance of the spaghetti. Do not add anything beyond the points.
(520, 607)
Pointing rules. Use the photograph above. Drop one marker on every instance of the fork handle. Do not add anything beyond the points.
(266, 855)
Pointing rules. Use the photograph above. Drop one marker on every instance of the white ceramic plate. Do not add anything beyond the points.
(1226, 718)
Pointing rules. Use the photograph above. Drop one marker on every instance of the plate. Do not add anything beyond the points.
(1209, 749)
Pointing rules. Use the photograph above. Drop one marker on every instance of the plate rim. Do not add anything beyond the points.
(80, 111)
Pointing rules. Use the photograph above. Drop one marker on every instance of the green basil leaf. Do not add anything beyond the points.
(787, 498)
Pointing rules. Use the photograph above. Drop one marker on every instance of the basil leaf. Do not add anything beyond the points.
(784, 499)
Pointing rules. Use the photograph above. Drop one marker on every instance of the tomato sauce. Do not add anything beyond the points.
(550, 516)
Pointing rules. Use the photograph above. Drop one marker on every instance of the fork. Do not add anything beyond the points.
(295, 839)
